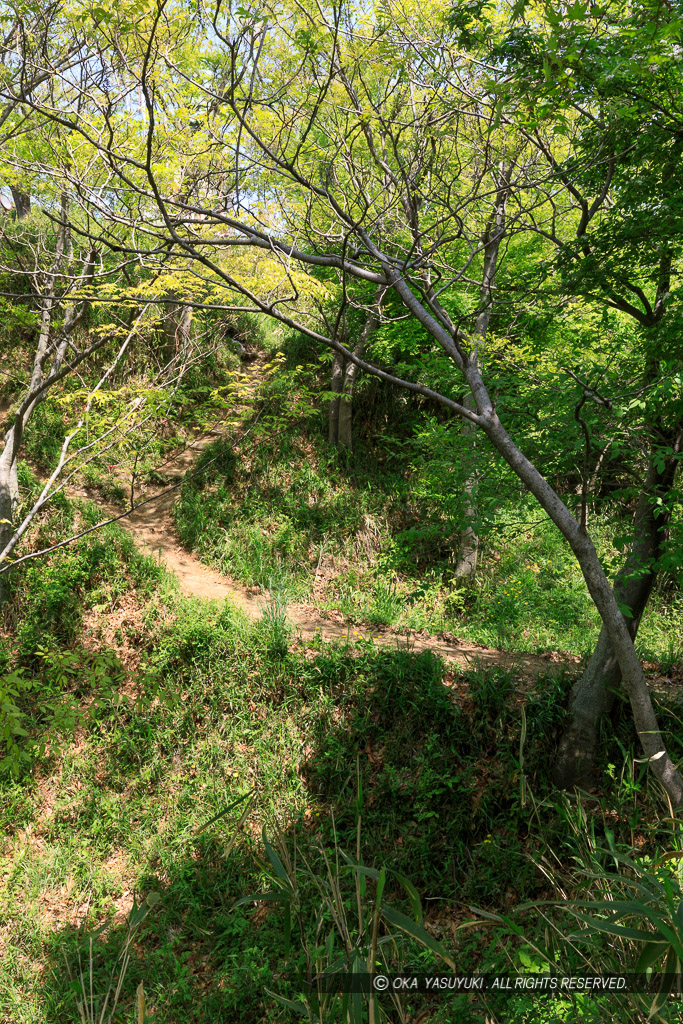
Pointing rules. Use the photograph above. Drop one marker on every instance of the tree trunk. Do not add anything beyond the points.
(574, 533)
(9, 489)
(22, 202)
(351, 372)
(599, 588)
(176, 332)
(336, 384)
(468, 555)
(469, 541)
(6, 511)
(593, 695)
(345, 435)
(344, 374)
(183, 332)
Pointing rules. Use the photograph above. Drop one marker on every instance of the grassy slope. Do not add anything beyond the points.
(168, 710)
(204, 708)
(356, 534)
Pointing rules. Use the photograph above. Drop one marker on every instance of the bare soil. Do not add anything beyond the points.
(153, 529)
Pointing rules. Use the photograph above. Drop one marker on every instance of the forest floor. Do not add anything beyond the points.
(151, 525)
(193, 734)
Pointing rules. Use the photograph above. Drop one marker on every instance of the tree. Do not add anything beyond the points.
(50, 347)
(36, 42)
(331, 138)
(56, 277)
(64, 348)
(604, 109)
(492, 239)
(30, 35)
(340, 417)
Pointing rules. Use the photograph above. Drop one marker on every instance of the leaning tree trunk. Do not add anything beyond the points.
(47, 348)
(6, 511)
(599, 587)
(9, 490)
(593, 695)
(468, 554)
(486, 417)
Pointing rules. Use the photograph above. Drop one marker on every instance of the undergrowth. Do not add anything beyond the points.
(204, 730)
(368, 534)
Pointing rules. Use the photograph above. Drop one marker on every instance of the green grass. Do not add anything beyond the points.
(343, 533)
(210, 707)
(145, 715)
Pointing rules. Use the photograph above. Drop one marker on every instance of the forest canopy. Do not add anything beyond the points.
(435, 248)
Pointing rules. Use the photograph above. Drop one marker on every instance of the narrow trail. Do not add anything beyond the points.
(154, 531)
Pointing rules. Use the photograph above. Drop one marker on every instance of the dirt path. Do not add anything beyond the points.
(154, 532)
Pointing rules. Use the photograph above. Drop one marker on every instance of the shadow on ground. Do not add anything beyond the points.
(429, 768)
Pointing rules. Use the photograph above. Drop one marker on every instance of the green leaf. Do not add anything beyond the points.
(260, 896)
(278, 866)
(417, 932)
(357, 1015)
(415, 900)
(652, 952)
(225, 811)
(489, 916)
(380, 887)
(361, 869)
(615, 929)
(298, 1008)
